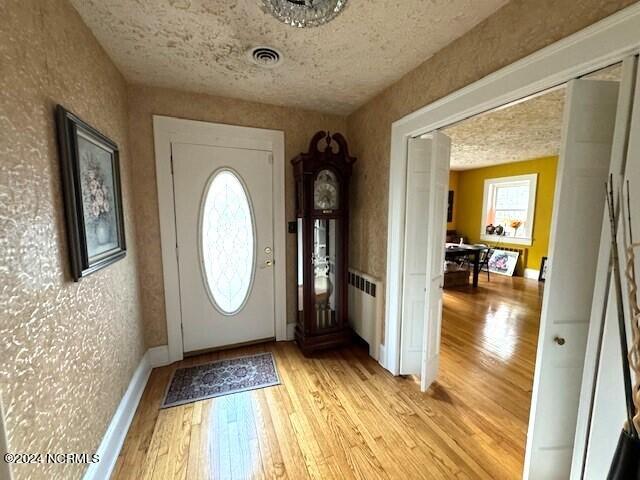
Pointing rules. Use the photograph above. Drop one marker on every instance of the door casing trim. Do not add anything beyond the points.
(604, 43)
(169, 130)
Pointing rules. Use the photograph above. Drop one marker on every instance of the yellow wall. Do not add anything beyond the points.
(470, 193)
(453, 185)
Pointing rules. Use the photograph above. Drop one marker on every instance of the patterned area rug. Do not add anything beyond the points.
(222, 377)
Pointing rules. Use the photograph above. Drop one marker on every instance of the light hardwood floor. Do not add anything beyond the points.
(341, 416)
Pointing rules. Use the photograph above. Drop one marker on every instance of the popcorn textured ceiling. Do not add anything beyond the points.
(526, 130)
(200, 45)
(520, 131)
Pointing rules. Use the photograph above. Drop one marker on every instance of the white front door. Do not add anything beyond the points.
(224, 227)
(589, 121)
(427, 164)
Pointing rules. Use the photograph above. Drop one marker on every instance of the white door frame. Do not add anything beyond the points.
(599, 45)
(168, 130)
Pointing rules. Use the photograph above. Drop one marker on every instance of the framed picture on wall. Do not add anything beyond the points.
(92, 195)
(543, 270)
(503, 262)
(450, 207)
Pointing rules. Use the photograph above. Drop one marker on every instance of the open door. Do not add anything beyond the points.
(587, 135)
(602, 409)
(427, 187)
(437, 232)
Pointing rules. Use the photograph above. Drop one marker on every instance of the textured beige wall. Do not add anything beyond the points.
(67, 350)
(516, 30)
(298, 126)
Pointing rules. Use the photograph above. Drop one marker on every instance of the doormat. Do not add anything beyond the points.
(221, 377)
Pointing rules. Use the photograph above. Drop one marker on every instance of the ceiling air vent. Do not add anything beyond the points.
(266, 57)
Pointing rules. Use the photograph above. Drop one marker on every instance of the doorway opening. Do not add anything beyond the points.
(527, 178)
(501, 189)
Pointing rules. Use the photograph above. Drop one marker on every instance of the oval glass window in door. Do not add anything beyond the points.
(227, 241)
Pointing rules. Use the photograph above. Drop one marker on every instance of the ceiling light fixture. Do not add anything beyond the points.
(304, 13)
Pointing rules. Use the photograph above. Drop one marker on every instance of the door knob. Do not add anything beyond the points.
(559, 340)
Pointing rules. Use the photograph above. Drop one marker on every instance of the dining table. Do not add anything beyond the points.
(455, 251)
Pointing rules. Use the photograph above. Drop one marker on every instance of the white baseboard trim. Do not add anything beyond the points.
(374, 352)
(159, 356)
(531, 273)
(5, 468)
(291, 328)
(382, 357)
(117, 429)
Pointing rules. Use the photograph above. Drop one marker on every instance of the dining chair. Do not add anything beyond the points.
(484, 258)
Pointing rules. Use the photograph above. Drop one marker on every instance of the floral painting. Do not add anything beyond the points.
(92, 196)
(96, 174)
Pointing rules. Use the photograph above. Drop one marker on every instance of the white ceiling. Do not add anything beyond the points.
(519, 131)
(524, 131)
(200, 45)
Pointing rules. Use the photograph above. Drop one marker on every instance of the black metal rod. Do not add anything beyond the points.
(622, 327)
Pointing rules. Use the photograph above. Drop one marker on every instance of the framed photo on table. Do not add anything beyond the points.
(92, 195)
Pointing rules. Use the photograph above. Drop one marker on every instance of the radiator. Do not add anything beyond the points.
(366, 308)
(521, 251)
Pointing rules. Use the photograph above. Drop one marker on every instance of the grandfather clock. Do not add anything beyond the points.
(322, 206)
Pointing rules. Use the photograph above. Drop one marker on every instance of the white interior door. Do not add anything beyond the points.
(428, 162)
(602, 405)
(589, 120)
(224, 227)
(437, 233)
(415, 255)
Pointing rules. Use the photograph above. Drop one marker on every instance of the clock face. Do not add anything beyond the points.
(325, 191)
